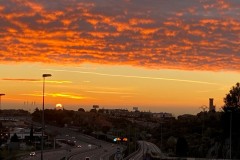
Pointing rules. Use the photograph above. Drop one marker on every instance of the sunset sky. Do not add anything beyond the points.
(158, 55)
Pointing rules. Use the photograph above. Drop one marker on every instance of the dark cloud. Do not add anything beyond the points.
(20, 79)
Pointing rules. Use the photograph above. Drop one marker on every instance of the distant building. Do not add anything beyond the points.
(12, 124)
(95, 106)
(135, 108)
(24, 133)
(14, 113)
(162, 115)
(118, 112)
(186, 117)
(211, 106)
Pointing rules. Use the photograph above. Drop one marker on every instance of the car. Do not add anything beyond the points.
(87, 158)
(32, 154)
(89, 146)
(79, 146)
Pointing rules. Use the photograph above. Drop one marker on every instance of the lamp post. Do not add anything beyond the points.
(44, 76)
(1, 94)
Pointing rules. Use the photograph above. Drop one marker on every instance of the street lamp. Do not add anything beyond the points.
(1, 94)
(44, 76)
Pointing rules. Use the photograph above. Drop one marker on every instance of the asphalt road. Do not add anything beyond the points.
(147, 147)
(102, 153)
(90, 147)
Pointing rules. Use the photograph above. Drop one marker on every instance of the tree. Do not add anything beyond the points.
(14, 138)
(93, 110)
(101, 111)
(181, 147)
(36, 115)
(31, 134)
(232, 98)
(81, 110)
(105, 129)
(171, 143)
(231, 117)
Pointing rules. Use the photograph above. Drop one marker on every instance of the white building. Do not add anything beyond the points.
(22, 133)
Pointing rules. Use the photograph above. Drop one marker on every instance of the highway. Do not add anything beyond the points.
(87, 146)
(90, 147)
(147, 148)
(102, 153)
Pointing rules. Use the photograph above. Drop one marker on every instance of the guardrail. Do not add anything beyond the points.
(133, 154)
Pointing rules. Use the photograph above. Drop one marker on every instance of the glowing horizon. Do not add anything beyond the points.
(151, 54)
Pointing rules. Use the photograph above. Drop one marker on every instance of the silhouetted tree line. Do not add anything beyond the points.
(56, 117)
(206, 135)
(86, 121)
(231, 116)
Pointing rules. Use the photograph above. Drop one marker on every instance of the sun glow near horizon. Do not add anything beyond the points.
(118, 87)
(154, 55)
(59, 106)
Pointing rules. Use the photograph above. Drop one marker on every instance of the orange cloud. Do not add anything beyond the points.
(62, 95)
(196, 35)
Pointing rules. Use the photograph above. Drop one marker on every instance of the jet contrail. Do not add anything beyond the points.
(139, 77)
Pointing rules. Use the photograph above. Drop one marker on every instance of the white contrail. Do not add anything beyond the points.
(140, 77)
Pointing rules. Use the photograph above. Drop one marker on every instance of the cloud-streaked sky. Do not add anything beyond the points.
(180, 41)
(188, 34)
